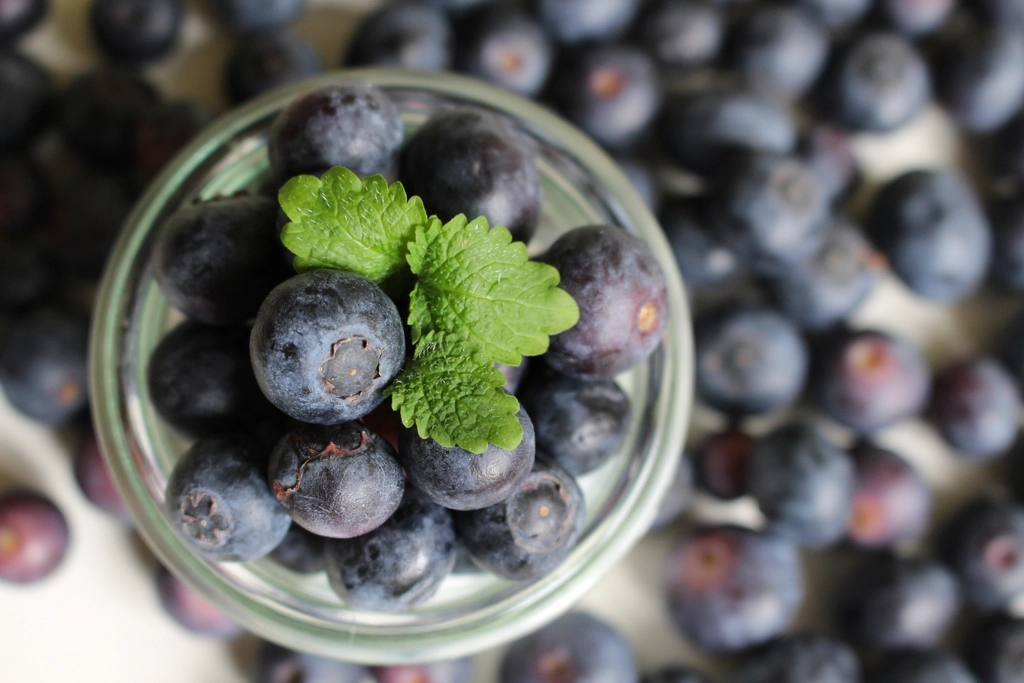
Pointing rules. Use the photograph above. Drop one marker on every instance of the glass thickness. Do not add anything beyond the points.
(471, 611)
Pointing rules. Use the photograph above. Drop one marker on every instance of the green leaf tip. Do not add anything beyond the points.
(342, 222)
(453, 395)
(475, 282)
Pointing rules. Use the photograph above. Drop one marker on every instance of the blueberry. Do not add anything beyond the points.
(94, 478)
(1007, 152)
(730, 588)
(337, 481)
(891, 603)
(922, 666)
(266, 61)
(980, 78)
(984, 544)
(678, 497)
(780, 50)
(1008, 13)
(1007, 218)
(620, 290)
(770, 208)
(680, 34)
(749, 360)
(33, 537)
(699, 128)
(26, 277)
(354, 125)
(218, 498)
(472, 162)
(508, 48)
(996, 650)
(976, 406)
(163, 130)
(803, 483)
(216, 261)
(868, 380)
(932, 228)
(24, 197)
(98, 113)
(18, 17)
(892, 503)
(827, 286)
(43, 364)
(576, 648)
(828, 152)
(703, 256)
(449, 671)
(878, 83)
(580, 423)
(641, 177)
(201, 381)
(916, 17)
(723, 462)
(256, 16)
(275, 664)
(674, 675)
(136, 30)
(403, 34)
(25, 93)
(301, 551)
(460, 480)
(528, 534)
(801, 658)
(191, 610)
(575, 21)
(325, 345)
(612, 92)
(399, 564)
(836, 13)
(88, 212)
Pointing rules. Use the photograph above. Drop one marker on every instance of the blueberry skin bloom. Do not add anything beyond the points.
(217, 260)
(680, 34)
(610, 91)
(579, 423)
(868, 380)
(575, 21)
(801, 658)
(980, 78)
(527, 535)
(984, 544)
(136, 30)
(803, 483)
(730, 588)
(749, 360)
(976, 406)
(265, 61)
(472, 162)
(508, 48)
(892, 502)
(218, 498)
(254, 16)
(275, 664)
(25, 91)
(879, 83)
(460, 480)
(922, 666)
(932, 228)
(398, 565)
(406, 35)
(996, 651)
(620, 290)
(354, 125)
(1007, 218)
(33, 537)
(336, 481)
(576, 647)
(780, 50)
(325, 345)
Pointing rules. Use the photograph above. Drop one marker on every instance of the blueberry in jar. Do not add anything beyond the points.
(780, 50)
(136, 30)
(216, 261)
(25, 92)
(461, 480)
(620, 290)
(528, 534)
(984, 544)
(256, 16)
(301, 551)
(976, 406)
(337, 481)
(263, 62)
(680, 35)
(276, 664)
(405, 35)
(508, 48)
(473, 162)
(219, 500)
(892, 502)
(800, 658)
(398, 565)
(33, 537)
(354, 125)
(980, 78)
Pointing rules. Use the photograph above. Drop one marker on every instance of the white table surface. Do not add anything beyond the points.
(97, 618)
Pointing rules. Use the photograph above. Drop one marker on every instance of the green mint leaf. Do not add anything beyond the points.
(341, 222)
(453, 395)
(476, 283)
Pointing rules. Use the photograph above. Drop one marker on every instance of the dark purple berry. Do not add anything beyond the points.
(256, 16)
(301, 551)
(508, 48)
(976, 406)
(891, 504)
(680, 34)
(703, 257)
(263, 62)
(25, 94)
(620, 290)
(780, 50)
(275, 664)
(984, 544)
(800, 658)
(405, 35)
(995, 652)
(337, 481)
(921, 666)
(88, 213)
(136, 30)
(678, 497)
(191, 610)
(980, 78)
(163, 130)
(94, 478)
(18, 17)
(24, 196)
(33, 537)
(723, 463)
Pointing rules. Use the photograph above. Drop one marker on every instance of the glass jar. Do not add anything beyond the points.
(471, 611)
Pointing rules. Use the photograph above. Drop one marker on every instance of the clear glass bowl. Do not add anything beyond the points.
(471, 611)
